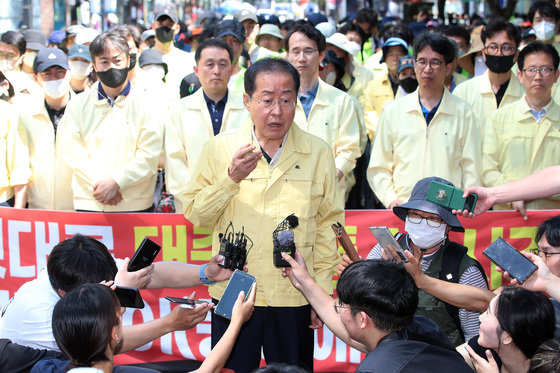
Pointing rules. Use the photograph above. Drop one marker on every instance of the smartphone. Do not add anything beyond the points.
(385, 238)
(144, 256)
(185, 302)
(450, 197)
(239, 281)
(129, 297)
(509, 259)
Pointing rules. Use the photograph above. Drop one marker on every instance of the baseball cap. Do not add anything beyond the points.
(148, 34)
(48, 57)
(79, 50)
(86, 35)
(405, 62)
(316, 18)
(151, 57)
(326, 28)
(393, 42)
(35, 39)
(230, 27)
(56, 37)
(246, 14)
(166, 12)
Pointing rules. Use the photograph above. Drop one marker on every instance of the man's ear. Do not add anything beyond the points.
(60, 292)
(364, 320)
(246, 100)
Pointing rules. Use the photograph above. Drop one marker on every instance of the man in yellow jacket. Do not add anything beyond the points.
(524, 137)
(255, 177)
(111, 136)
(199, 117)
(323, 110)
(429, 132)
(497, 87)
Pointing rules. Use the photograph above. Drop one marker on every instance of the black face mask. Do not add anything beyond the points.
(132, 60)
(164, 34)
(499, 64)
(409, 84)
(113, 77)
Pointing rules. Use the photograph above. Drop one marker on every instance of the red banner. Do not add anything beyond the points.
(29, 235)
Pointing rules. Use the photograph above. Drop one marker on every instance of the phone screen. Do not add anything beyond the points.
(470, 202)
(144, 256)
(129, 297)
(509, 259)
(385, 238)
(239, 281)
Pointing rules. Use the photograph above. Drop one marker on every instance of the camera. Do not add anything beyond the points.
(233, 247)
(283, 240)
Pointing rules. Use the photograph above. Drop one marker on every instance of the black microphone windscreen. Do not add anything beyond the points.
(293, 221)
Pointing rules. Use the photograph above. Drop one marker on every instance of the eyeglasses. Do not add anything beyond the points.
(8, 56)
(435, 64)
(307, 52)
(545, 253)
(337, 306)
(494, 49)
(417, 219)
(532, 71)
(269, 104)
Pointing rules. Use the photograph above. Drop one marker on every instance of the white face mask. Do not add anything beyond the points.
(155, 71)
(479, 66)
(424, 236)
(544, 30)
(56, 88)
(330, 78)
(79, 69)
(9, 65)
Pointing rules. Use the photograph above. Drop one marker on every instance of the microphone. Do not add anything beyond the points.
(283, 240)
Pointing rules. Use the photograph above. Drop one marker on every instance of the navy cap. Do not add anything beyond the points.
(167, 12)
(418, 201)
(35, 39)
(230, 27)
(48, 57)
(316, 18)
(79, 50)
(405, 62)
(268, 18)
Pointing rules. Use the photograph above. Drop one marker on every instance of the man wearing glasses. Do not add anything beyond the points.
(254, 177)
(524, 137)
(497, 87)
(428, 132)
(427, 225)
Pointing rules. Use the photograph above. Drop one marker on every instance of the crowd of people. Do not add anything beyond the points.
(260, 120)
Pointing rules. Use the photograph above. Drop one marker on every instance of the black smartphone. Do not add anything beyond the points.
(239, 281)
(186, 302)
(129, 297)
(144, 256)
(509, 259)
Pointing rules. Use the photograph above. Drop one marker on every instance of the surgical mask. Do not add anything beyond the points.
(330, 78)
(155, 71)
(424, 236)
(29, 58)
(499, 64)
(479, 66)
(164, 34)
(113, 77)
(79, 69)
(9, 65)
(409, 84)
(132, 60)
(56, 88)
(544, 30)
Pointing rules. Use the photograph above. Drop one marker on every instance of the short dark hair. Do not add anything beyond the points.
(382, 289)
(398, 31)
(550, 228)
(16, 39)
(367, 15)
(439, 44)
(527, 316)
(269, 65)
(309, 31)
(538, 47)
(106, 40)
(498, 25)
(547, 357)
(82, 322)
(545, 8)
(78, 260)
(213, 43)
(457, 31)
(128, 31)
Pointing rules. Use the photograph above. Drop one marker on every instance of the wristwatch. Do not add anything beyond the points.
(203, 277)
